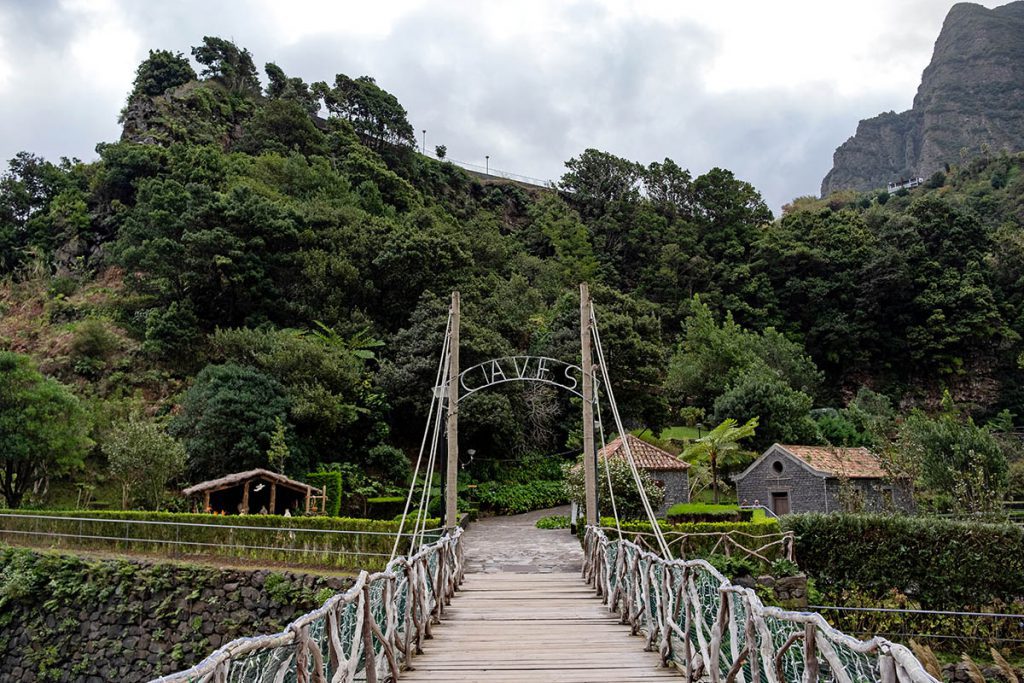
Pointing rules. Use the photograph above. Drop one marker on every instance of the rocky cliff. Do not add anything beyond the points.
(971, 95)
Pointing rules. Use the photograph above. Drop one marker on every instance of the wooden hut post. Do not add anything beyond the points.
(273, 498)
(309, 493)
(245, 498)
(206, 501)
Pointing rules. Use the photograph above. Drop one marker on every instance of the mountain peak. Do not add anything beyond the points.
(971, 94)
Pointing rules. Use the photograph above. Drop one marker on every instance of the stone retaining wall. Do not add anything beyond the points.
(63, 618)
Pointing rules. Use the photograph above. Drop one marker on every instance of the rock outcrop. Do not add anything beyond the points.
(971, 98)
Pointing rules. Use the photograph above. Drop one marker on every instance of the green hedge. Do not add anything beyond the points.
(276, 539)
(704, 512)
(385, 507)
(516, 498)
(330, 482)
(941, 564)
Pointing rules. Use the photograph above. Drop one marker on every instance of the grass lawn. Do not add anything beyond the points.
(679, 433)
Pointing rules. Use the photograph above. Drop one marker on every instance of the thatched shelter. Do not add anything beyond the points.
(258, 492)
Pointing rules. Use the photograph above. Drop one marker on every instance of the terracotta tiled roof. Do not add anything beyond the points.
(856, 463)
(645, 455)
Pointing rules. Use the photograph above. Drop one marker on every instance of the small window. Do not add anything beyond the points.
(777, 466)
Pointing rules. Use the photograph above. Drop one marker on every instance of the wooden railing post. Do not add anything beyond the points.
(369, 656)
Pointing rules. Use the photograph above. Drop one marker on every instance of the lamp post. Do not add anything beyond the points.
(424, 148)
(487, 165)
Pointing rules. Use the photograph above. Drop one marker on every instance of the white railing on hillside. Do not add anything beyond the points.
(368, 633)
(713, 630)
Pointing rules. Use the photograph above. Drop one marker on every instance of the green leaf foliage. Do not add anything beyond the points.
(940, 564)
(143, 458)
(227, 419)
(330, 482)
(42, 428)
(516, 498)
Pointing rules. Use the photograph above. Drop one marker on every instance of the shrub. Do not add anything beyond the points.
(627, 497)
(330, 482)
(384, 507)
(703, 512)
(553, 522)
(516, 498)
(938, 563)
(1015, 480)
(701, 546)
(733, 567)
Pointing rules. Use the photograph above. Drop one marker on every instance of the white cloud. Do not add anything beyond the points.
(105, 51)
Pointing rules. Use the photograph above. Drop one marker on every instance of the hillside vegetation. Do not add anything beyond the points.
(245, 271)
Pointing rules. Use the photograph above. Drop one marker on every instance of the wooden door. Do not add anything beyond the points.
(780, 503)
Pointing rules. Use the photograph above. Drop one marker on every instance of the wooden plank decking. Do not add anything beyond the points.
(531, 628)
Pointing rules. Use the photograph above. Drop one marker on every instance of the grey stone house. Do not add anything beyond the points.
(809, 479)
(667, 471)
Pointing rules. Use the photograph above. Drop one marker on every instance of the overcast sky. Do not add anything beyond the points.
(765, 89)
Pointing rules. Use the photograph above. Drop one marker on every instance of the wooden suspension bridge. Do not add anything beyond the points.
(533, 618)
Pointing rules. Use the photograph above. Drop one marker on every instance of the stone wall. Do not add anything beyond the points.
(810, 492)
(677, 488)
(789, 591)
(65, 618)
(807, 491)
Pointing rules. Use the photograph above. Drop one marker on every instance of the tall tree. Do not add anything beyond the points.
(223, 61)
(43, 429)
(374, 113)
(161, 71)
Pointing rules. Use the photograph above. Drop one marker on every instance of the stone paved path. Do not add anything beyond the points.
(514, 544)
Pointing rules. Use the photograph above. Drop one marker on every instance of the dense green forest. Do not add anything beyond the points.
(267, 269)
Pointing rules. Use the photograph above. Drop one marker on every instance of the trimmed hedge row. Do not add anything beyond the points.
(938, 563)
(305, 541)
(385, 507)
(330, 482)
(516, 498)
(703, 512)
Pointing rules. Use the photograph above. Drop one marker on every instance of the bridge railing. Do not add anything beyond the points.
(761, 547)
(694, 616)
(367, 633)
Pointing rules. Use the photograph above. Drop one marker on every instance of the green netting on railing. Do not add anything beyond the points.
(712, 630)
(367, 632)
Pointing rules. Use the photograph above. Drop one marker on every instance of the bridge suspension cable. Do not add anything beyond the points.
(435, 401)
(602, 364)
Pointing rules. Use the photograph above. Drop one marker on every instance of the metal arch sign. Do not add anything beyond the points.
(521, 369)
